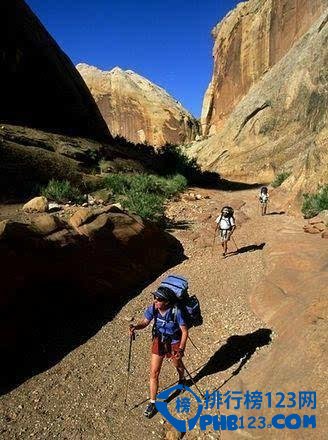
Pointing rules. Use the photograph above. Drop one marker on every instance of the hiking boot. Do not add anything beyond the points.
(150, 410)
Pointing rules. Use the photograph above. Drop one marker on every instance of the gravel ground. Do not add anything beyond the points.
(82, 397)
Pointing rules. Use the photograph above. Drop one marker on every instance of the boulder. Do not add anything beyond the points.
(46, 224)
(58, 290)
(37, 204)
(81, 216)
(101, 225)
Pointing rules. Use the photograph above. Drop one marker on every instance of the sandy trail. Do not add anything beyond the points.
(82, 397)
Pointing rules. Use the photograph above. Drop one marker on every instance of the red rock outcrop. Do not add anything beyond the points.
(293, 300)
(138, 110)
(40, 86)
(248, 42)
(267, 103)
(58, 282)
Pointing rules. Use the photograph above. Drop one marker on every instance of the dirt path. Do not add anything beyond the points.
(82, 396)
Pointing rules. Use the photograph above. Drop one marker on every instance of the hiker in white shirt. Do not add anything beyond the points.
(264, 199)
(226, 224)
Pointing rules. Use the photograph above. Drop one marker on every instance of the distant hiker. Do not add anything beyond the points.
(226, 224)
(264, 199)
(170, 336)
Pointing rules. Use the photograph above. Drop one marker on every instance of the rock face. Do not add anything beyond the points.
(40, 86)
(137, 109)
(293, 300)
(60, 283)
(266, 105)
(249, 42)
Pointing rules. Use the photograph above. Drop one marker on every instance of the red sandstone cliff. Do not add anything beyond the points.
(267, 103)
(247, 43)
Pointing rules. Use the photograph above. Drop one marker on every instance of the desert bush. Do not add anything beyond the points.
(62, 191)
(144, 194)
(315, 203)
(280, 178)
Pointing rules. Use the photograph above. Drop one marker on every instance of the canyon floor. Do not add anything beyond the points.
(82, 397)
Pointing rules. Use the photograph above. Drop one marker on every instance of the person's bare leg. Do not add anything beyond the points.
(225, 247)
(179, 366)
(155, 368)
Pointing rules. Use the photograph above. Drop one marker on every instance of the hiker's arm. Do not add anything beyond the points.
(139, 326)
(184, 337)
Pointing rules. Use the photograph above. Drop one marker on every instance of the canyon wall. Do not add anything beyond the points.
(40, 87)
(266, 107)
(138, 110)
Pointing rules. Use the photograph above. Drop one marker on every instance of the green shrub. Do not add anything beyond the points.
(144, 194)
(281, 177)
(146, 205)
(62, 191)
(315, 203)
(118, 183)
(173, 160)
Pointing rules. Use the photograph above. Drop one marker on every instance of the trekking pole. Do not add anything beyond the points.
(213, 242)
(194, 344)
(132, 338)
(192, 380)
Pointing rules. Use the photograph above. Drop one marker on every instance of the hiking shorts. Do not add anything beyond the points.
(224, 234)
(164, 349)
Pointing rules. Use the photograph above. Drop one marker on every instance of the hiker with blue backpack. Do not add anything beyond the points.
(173, 312)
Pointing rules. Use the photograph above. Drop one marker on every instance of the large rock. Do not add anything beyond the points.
(58, 289)
(293, 300)
(46, 224)
(37, 204)
(40, 86)
(267, 103)
(137, 109)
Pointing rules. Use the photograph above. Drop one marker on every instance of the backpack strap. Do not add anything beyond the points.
(153, 330)
(174, 313)
(172, 316)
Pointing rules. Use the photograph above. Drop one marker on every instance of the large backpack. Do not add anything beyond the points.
(227, 209)
(188, 305)
(230, 212)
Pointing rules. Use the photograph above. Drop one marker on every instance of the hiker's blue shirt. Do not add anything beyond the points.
(166, 324)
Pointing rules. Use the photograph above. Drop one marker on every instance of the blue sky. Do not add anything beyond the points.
(169, 41)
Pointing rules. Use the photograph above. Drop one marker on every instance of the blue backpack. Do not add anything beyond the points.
(188, 305)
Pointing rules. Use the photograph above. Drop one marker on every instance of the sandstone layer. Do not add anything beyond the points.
(247, 43)
(292, 299)
(138, 110)
(279, 121)
(40, 86)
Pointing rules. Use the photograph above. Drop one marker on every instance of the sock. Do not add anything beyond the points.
(152, 401)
